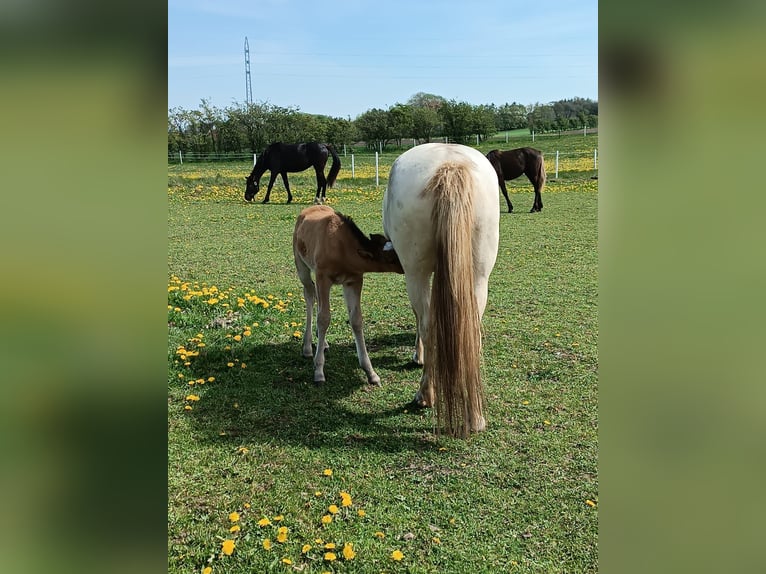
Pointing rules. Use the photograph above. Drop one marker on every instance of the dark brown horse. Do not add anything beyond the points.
(280, 158)
(512, 163)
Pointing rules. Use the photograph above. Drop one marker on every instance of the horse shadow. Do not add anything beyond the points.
(274, 399)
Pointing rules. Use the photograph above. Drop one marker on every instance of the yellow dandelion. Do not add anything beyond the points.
(264, 522)
(590, 503)
(348, 551)
(234, 528)
(282, 534)
(436, 540)
(326, 519)
(380, 535)
(330, 546)
(361, 513)
(333, 509)
(266, 544)
(227, 547)
(229, 364)
(207, 570)
(279, 518)
(346, 499)
(237, 338)
(243, 365)
(318, 493)
(243, 450)
(287, 561)
(210, 379)
(397, 555)
(247, 505)
(234, 516)
(187, 408)
(192, 398)
(327, 472)
(306, 548)
(330, 556)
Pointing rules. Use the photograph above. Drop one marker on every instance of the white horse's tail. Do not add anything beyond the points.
(454, 334)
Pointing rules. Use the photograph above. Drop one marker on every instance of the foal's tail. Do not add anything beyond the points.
(334, 168)
(454, 331)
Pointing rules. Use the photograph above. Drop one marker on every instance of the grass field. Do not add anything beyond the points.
(251, 438)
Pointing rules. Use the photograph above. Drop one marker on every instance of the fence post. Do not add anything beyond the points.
(506, 137)
(180, 157)
(254, 160)
(477, 139)
(585, 130)
(595, 158)
(533, 135)
(352, 166)
(376, 169)
(344, 150)
(557, 164)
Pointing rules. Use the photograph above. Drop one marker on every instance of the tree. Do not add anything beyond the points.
(428, 101)
(373, 127)
(400, 122)
(457, 118)
(425, 123)
(483, 121)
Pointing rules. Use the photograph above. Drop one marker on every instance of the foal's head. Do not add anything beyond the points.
(381, 250)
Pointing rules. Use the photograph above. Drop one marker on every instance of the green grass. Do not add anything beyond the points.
(258, 439)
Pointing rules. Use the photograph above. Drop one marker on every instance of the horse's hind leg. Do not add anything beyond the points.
(538, 203)
(321, 185)
(505, 194)
(352, 294)
(419, 292)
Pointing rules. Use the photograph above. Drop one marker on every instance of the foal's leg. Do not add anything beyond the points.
(309, 294)
(505, 193)
(419, 292)
(323, 322)
(287, 187)
(352, 293)
(272, 178)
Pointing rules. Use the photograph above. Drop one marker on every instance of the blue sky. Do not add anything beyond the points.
(341, 57)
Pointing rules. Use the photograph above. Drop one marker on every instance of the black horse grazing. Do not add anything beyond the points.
(282, 158)
(512, 163)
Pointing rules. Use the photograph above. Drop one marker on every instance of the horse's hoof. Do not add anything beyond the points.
(374, 380)
(265, 201)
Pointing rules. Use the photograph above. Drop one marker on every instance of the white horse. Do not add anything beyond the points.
(441, 213)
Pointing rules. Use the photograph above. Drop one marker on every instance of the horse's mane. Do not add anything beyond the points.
(365, 241)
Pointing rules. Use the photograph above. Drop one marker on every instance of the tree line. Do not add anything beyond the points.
(249, 128)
